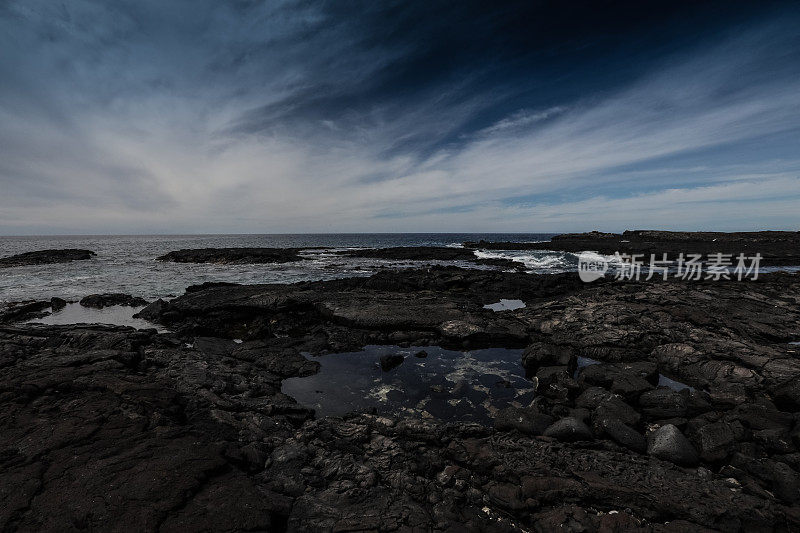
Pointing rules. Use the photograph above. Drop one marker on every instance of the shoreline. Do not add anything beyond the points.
(588, 444)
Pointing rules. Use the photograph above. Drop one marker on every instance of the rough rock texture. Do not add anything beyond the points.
(776, 247)
(668, 443)
(99, 301)
(189, 430)
(232, 255)
(27, 310)
(44, 257)
(108, 427)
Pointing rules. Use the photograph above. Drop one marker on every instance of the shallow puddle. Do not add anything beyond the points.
(117, 315)
(505, 305)
(446, 384)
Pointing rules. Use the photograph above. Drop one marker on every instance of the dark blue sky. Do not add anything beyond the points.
(297, 116)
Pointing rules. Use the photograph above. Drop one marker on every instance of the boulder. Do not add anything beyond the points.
(569, 430)
(541, 354)
(524, 420)
(714, 441)
(663, 403)
(99, 301)
(669, 444)
(622, 434)
(391, 361)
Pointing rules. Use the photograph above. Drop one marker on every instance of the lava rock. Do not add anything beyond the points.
(524, 420)
(45, 257)
(569, 430)
(623, 434)
(669, 444)
(541, 354)
(20, 311)
(663, 403)
(715, 441)
(391, 361)
(235, 256)
(153, 311)
(99, 301)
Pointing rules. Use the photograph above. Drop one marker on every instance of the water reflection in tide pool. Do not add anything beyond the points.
(446, 384)
(117, 315)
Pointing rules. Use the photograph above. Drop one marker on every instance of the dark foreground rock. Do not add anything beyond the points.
(99, 301)
(26, 310)
(44, 257)
(112, 427)
(190, 430)
(775, 247)
(232, 255)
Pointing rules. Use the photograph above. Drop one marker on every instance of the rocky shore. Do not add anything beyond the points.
(232, 255)
(189, 430)
(777, 248)
(44, 257)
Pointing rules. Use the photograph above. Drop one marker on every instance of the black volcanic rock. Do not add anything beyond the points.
(20, 311)
(99, 301)
(44, 257)
(444, 253)
(232, 255)
(569, 429)
(152, 311)
(390, 361)
(669, 444)
(775, 247)
(190, 430)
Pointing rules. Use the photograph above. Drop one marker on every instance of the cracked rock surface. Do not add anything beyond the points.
(117, 429)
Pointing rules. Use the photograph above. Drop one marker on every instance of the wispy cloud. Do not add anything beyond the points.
(283, 118)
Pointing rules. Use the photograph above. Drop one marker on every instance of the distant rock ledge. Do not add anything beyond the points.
(776, 247)
(44, 257)
(232, 255)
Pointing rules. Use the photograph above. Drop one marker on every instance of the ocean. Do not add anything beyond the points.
(127, 263)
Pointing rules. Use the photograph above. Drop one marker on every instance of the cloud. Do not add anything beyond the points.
(294, 117)
(521, 119)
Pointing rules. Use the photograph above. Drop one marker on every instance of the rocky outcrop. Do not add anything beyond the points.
(190, 430)
(45, 257)
(232, 255)
(99, 301)
(26, 310)
(109, 425)
(775, 247)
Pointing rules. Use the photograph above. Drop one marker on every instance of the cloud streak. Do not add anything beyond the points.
(287, 117)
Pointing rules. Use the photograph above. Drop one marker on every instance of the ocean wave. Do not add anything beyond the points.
(537, 261)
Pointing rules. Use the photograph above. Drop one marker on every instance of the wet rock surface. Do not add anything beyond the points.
(99, 301)
(44, 257)
(443, 253)
(776, 247)
(190, 430)
(232, 255)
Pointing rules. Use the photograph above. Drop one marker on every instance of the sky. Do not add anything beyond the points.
(200, 116)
